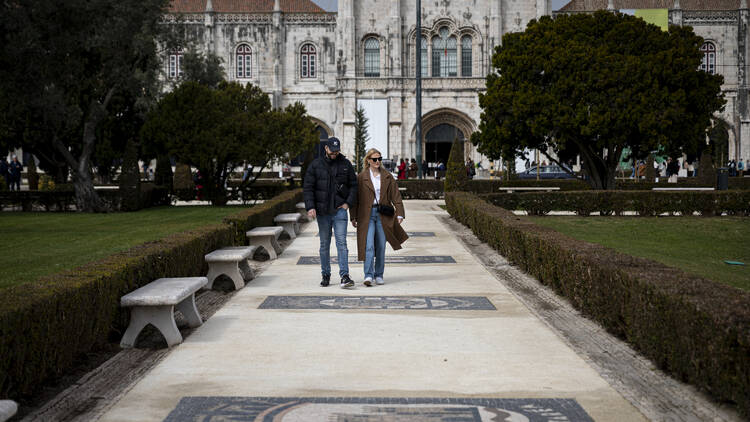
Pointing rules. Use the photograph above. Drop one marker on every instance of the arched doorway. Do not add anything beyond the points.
(438, 141)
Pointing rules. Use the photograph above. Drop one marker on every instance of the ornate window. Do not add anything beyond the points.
(372, 57)
(466, 55)
(708, 64)
(174, 64)
(308, 63)
(444, 54)
(244, 62)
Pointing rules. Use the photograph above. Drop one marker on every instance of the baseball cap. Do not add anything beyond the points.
(334, 144)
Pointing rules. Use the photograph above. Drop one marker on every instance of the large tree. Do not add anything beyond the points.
(62, 64)
(594, 84)
(216, 130)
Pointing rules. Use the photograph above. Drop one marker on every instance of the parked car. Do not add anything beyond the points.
(546, 172)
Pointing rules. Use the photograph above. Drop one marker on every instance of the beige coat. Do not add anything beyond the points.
(389, 195)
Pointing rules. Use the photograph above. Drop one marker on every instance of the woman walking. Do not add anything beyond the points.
(377, 216)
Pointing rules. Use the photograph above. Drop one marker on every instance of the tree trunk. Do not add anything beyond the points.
(87, 200)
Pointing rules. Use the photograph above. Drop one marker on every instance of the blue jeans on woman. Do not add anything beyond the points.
(338, 223)
(375, 247)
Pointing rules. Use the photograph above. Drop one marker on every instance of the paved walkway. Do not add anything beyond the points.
(460, 348)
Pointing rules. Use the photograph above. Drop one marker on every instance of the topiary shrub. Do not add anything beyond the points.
(650, 170)
(706, 170)
(32, 177)
(455, 177)
(163, 174)
(182, 183)
(130, 179)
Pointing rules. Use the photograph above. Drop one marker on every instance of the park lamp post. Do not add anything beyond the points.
(419, 89)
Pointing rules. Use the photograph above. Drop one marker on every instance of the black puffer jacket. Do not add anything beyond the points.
(329, 184)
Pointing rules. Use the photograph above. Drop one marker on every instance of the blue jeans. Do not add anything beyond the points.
(375, 249)
(338, 223)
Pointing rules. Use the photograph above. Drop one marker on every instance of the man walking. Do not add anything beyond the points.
(330, 188)
(15, 168)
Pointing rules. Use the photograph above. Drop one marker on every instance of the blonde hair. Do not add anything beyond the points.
(369, 154)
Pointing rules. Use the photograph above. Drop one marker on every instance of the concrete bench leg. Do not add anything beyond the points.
(161, 317)
(230, 269)
(269, 244)
(290, 229)
(188, 310)
(246, 271)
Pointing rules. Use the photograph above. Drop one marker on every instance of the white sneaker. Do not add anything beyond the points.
(368, 281)
(379, 281)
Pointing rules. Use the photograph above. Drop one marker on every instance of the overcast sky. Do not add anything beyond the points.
(330, 5)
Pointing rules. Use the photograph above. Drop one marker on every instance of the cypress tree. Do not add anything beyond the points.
(456, 178)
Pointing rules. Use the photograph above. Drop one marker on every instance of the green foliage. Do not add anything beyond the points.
(163, 174)
(645, 203)
(456, 178)
(32, 176)
(130, 179)
(107, 49)
(588, 83)
(706, 169)
(46, 324)
(203, 69)
(697, 329)
(360, 137)
(216, 130)
(650, 170)
(183, 184)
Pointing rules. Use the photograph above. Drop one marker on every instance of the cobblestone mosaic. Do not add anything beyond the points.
(431, 259)
(363, 409)
(411, 234)
(440, 303)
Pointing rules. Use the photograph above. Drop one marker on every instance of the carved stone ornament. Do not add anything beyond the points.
(710, 17)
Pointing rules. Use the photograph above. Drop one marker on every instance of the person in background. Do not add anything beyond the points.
(377, 214)
(402, 170)
(741, 167)
(14, 169)
(4, 171)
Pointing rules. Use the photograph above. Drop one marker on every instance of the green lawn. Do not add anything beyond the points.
(697, 245)
(37, 244)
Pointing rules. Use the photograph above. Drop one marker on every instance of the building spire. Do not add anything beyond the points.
(209, 6)
(743, 4)
(276, 5)
(676, 5)
(611, 5)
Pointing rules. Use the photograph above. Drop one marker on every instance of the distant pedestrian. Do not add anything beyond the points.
(673, 168)
(15, 168)
(377, 215)
(402, 170)
(741, 167)
(732, 168)
(330, 189)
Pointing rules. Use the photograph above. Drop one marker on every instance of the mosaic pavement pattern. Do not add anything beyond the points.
(411, 234)
(420, 303)
(362, 409)
(431, 259)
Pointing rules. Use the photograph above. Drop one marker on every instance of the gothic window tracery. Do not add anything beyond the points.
(174, 64)
(424, 56)
(244, 62)
(466, 59)
(372, 57)
(708, 63)
(308, 61)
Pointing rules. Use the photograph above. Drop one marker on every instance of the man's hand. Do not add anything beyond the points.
(312, 213)
(345, 206)
(354, 223)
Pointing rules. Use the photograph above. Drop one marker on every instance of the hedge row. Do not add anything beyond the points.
(64, 199)
(46, 324)
(645, 203)
(432, 189)
(697, 329)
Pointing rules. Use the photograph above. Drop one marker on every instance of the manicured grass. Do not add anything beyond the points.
(37, 244)
(697, 245)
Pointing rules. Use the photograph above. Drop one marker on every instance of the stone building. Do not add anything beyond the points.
(723, 25)
(363, 54)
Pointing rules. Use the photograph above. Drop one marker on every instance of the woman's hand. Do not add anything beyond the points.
(400, 219)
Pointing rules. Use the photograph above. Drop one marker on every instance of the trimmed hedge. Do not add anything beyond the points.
(645, 203)
(47, 324)
(433, 189)
(695, 328)
(64, 199)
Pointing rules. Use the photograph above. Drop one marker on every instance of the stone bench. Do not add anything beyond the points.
(302, 209)
(8, 408)
(231, 262)
(155, 303)
(267, 238)
(290, 223)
